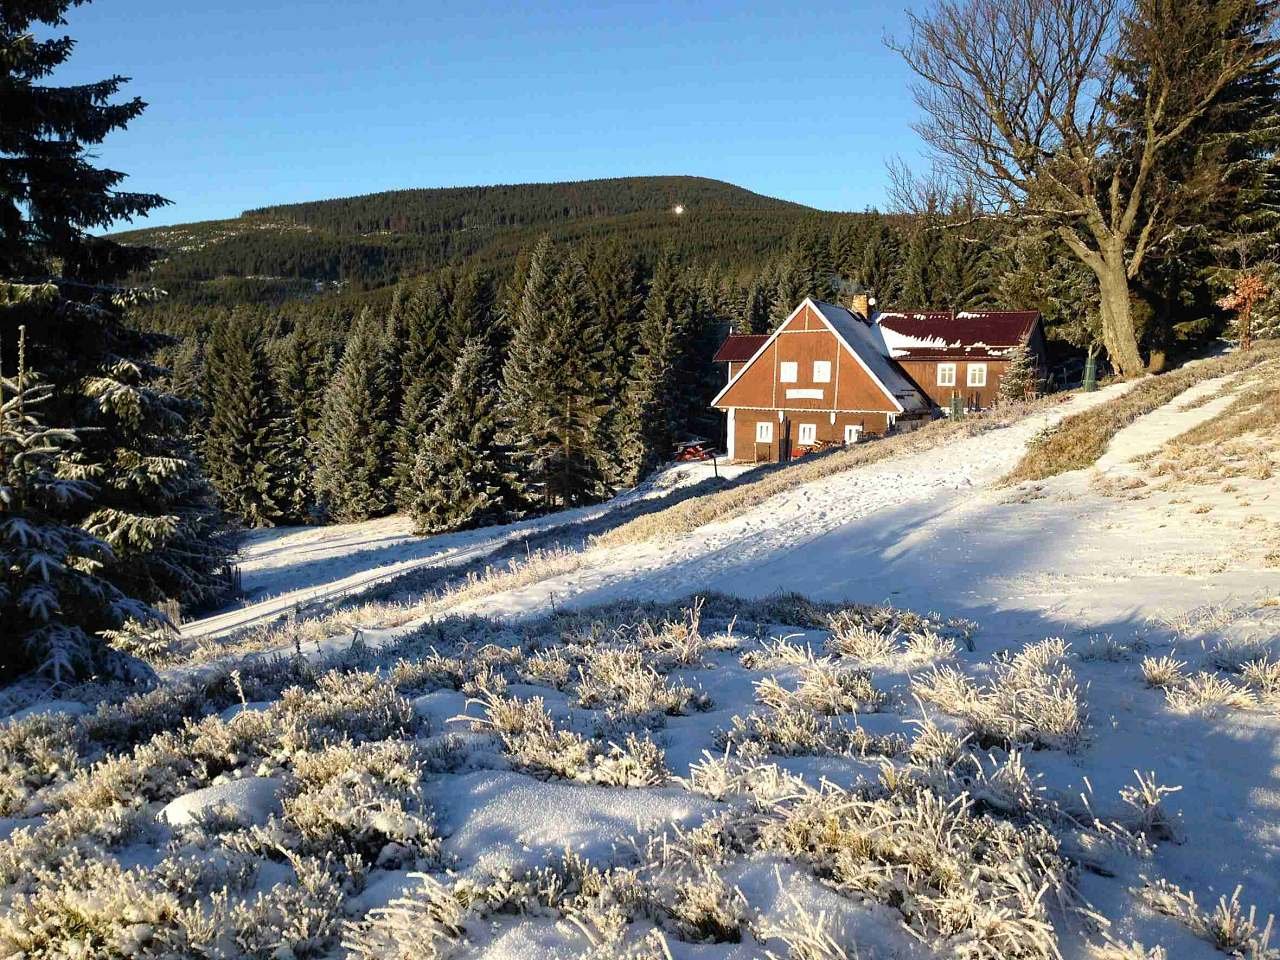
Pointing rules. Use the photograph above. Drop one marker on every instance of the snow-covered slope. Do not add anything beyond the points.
(753, 778)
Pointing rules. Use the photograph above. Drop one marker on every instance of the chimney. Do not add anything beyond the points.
(860, 303)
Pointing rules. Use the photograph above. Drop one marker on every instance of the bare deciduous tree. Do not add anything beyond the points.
(1062, 112)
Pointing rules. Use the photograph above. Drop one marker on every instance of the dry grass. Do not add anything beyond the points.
(1078, 441)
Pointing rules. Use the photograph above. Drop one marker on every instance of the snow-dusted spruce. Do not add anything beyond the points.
(650, 419)
(1021, 379)
(459, 477)
(353, 454)
(52, 607)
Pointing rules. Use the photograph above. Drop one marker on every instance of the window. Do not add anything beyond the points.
(764, 431)
(822, 371)
(977, 375)
(787, 371)
(852, 432)
(808, 434)
(946, 374)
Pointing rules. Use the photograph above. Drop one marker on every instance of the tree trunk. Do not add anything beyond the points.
(1118, 334)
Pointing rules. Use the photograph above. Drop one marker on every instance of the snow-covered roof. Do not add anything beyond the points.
(871, 349)
(940, 334)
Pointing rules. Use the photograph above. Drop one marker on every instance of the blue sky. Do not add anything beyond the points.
(269, 102)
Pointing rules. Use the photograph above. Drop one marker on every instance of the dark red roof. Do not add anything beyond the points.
(929, 334)
(739, 347)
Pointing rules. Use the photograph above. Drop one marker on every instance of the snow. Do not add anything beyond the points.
(285, 568)
(1081, 556)
(497, 820)
(249, 801)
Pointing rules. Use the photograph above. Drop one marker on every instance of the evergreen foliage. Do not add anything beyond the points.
(354, 453)
(242, 448)
(54, 606)
(651, 425)
(460, 477)
(51, 196)
(1021, 379)
(424, 362)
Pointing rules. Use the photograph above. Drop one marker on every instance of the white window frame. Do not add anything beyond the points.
(788, 371)
(852, 433)
(822, 371)
(807, 435)
(946, 374)
(764, 431)
(978, 381)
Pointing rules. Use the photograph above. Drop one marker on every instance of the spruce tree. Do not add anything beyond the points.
(424, 368)
(527, 398)
(563, 452)
(241, 441)
(460, 478)
(617, 290)
(51, 196)
(147, 495)
(301, 363)
(918, 272)
(879, 270)
(354, 454)
(153, 504)
(53, 609)
(1021, 378)
(652, 402)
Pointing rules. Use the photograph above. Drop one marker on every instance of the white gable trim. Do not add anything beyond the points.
(808, 302)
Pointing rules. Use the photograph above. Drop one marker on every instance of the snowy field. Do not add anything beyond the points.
(1030, 721)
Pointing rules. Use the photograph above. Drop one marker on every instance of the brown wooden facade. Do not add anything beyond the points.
(803, 388)
(956, 375)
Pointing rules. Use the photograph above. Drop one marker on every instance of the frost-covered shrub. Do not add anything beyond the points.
(638, 762)
(1229, 926)
(706, 909)
(1164, 672)
(772, 654)
(90, 909)
(68, 835)
(530, 738)
(1207, 693)
(355, 706)
(853, 638)
(797, 731)
(1032, 699)
(1263, 675)
(347, 799)
(628, 689)
(934, 746)
(1231, 653)
(35, 752)
(1150, 816)
(955, 875)
(426, 924)
(824, 688)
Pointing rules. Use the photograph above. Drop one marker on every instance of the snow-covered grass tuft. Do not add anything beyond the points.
(1234, 929)
(1033, 699)
(1207, 694)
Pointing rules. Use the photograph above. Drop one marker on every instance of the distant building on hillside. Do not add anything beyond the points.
(962, 354)
(829, 375)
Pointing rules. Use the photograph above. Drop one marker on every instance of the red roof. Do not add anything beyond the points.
(739, 347)
(929, 334)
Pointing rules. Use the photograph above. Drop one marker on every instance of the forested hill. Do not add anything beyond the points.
(359, 243)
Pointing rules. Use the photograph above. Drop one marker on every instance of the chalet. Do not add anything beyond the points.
(828, 375)
(820, 378)
(962, 354)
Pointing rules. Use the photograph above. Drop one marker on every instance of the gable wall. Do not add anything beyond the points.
(804, 339)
